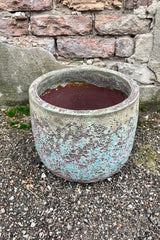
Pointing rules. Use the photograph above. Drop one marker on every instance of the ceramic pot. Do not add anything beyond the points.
(84, 145)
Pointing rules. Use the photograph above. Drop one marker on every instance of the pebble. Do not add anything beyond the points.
(20, 224)
(89, 62)
(130, 206)
(2, 210)
(26, 236)
(11, 198)
(49, 188)
(43, 176)
(33, 224)
(69, 227)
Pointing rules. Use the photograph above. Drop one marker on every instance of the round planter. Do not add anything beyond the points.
(84, 145)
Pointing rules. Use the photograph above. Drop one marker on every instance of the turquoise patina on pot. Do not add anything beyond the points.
(84, 145)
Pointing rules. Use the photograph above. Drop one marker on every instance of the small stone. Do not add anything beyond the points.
(43, 175)
(114, 224)
(130, 206)
(69, 227)
(50, 234)
(2, 211)
(3, 39)
(109, 179)
(149, 211)
(85, 220)
(20, 224)
(26, 236)
(33, 224)
(49, 188)
(19, 15)
(41, 234)
(146, 117)
(11, 198)
(89, 62)
(156, 214)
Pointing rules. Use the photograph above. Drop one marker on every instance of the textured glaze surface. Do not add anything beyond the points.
(88, 145)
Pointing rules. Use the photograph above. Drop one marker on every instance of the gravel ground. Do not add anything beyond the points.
(35, 204)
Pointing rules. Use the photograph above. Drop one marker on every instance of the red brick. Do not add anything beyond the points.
(86, 48)
(25, 5)
(12, 26)
(49, 25)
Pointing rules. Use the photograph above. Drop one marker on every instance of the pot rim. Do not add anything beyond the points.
(34, 97)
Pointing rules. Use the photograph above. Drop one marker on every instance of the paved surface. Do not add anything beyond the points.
(34, 204)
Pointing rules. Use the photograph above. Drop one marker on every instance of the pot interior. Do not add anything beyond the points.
(96, 77)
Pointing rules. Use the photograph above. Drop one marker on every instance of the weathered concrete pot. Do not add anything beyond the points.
(84, 145)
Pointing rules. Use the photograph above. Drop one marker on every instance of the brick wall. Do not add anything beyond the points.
(107, 32)
(75, 29)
